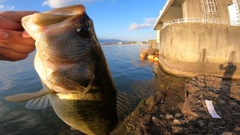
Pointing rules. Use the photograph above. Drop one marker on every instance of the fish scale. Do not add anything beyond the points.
(66, 52)
(86, 119)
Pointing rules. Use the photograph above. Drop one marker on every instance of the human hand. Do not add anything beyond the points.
(15, 43)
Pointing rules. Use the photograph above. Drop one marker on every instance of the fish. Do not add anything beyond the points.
(74, 73)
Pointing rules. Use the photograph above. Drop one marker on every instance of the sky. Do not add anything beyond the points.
(127, 20)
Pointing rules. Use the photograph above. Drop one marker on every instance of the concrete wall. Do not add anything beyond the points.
(192, 9)
(189, 49)
(172, 13)
(152, 43)
(199, 9)
(222, 6)
(158, 36)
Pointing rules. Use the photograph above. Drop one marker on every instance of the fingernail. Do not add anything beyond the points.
(25, 35)
(3, 35)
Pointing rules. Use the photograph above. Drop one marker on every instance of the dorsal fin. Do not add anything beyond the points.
(122, 103)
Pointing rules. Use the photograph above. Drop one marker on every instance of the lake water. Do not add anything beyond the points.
(130, 75)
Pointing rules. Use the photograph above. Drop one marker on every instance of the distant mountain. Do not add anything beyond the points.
(109, 40)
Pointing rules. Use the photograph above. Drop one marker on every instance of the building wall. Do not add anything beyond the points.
(199, 9)
(158, 36)
(192, 9)
(152, 43)
(196, 44)
(222, 9)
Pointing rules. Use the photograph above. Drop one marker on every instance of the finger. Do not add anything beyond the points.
(3, 57)
(26, 35)
(9, 24)
(16, 16)
(12, 19)
(17, 47)
(6, 54)
(15, 37)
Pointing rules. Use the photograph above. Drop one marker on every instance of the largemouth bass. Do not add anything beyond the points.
(72, 67)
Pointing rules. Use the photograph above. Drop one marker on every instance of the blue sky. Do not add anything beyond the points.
(113, 19)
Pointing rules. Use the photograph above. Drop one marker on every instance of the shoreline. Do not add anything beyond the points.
(179, 107)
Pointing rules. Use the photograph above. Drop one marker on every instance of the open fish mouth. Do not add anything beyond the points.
(54, 31)
(55, 16)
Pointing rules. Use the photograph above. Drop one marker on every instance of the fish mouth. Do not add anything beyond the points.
(57, 15)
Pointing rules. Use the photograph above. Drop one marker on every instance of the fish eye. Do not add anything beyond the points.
(83, 31)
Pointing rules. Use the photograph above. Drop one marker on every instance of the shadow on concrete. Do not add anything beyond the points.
(230, 69)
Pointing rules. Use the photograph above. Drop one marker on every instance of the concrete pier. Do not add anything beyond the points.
(202, 40)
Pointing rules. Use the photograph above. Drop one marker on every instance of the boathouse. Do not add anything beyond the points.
(199, 37)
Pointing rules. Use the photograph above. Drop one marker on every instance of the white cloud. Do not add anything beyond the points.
(61, 3)
(6, 7)
(149, 22)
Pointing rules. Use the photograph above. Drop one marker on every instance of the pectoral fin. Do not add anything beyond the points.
(38, 103)
(25, 96)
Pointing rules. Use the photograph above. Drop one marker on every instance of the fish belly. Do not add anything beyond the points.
(86, 116)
